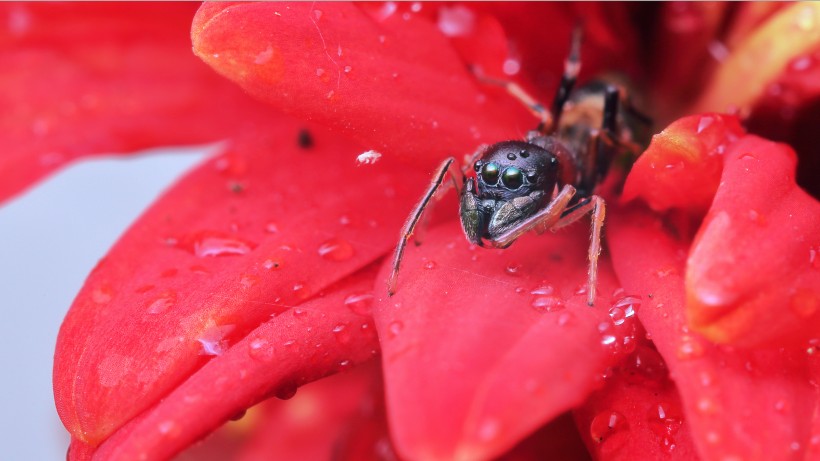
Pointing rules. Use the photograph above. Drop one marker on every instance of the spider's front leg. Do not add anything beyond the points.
(597, 207)
(446, 167)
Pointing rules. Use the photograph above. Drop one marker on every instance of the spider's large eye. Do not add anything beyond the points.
(512, 178)
(489, 173)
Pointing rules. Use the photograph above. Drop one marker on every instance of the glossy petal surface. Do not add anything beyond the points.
(750, 405)
(682, 166)
(638, 414)
(249, 234)
(480, 347)
(96, 78)
(753, 274)
(393, 84)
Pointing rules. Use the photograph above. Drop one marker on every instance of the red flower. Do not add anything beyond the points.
(263, 269)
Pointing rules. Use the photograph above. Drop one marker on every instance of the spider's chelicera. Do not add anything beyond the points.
(547, 181)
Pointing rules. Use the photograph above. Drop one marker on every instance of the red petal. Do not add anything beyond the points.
(395, 85)
(473, 359)
(249, 234)
(85, 79)
(638, 414)
(751, 405)
(761, 57)
(317, 338)
(753, 275)
(681, 168)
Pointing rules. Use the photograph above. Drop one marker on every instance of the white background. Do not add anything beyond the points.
(50, 238)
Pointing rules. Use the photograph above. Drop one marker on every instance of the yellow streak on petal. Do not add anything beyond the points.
(759, 60)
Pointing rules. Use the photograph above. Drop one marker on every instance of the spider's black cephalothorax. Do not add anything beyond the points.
(513, 180)
(547, 181)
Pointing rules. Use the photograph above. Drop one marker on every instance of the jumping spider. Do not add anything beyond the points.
(547, 181)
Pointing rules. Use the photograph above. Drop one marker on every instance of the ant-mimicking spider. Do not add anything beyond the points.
(547, 181)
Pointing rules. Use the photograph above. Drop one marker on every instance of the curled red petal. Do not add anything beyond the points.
(320, 337)
(392, 83)
(740, 404)
(250, 233)
(96, 78)
(753, 274)
(637, 414)
(480, 347)
(682, 166)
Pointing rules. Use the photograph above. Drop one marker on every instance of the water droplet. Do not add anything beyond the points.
(300, 291)
(344, 363)
(342, 333)
(347, 69)
(165, 301)
(608, 340)
(317, 14)
(360, 303)
(511, 66)
(320, 72)
(513, 269)
(704, 123)
(271, 228)
(456, 21)
(169, 428)
(706, 406)
(689, 348)
(395, 328)
(548, 304)
(607, 424)
(814, 257)
(665, 421)
(261, 349)
(336, 249)
(102, 294)
(211, 244)
(430, 265)
(285, 391)
(271, 264)
(543, 290)
(415, 7)
(213, 340)
(248, 280)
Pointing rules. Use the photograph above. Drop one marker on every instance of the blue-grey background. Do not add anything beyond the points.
(50, 238)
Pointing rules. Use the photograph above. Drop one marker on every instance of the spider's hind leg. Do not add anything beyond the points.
(597, 207)
(446, 167)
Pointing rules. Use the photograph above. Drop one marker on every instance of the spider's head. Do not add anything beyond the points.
(512, 169)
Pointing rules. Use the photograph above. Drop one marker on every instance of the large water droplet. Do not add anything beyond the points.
(261, 349)
(336, 249)
(548, 304)
(213, 339)
(456, 21)
(545, 289)
(211, 244)
(342, 333)
(360, 303)
(606, 424)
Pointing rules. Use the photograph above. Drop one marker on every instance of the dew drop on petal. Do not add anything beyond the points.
(213, 244)
(360, 303)
(300, 291)
(548, 304)
(606, 424)
(489, 429)
(169, 428)
(261, 349)
(271, 264)
(689, 348)
(342, 333)
(336, 249)
(430, 265)
(248, 280)
(166, 300)
(102, 294)
(513, 269)
(545, 289)
(395, 328)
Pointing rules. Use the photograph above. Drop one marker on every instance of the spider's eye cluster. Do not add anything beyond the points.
(489, 173)
(512, 178)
